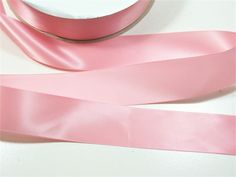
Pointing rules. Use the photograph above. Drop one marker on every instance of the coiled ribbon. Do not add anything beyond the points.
(94, 106)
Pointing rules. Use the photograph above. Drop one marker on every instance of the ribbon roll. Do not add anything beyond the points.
(94, 106)
(78, 28)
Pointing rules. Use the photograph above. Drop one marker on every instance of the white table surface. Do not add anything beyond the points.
(38, 159)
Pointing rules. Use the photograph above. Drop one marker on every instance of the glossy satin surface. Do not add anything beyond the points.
(80, 29)
(60, 118)
(90, 106)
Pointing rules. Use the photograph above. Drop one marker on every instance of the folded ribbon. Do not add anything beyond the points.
(90, 106)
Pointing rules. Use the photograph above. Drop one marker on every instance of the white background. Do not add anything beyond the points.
(38, 159)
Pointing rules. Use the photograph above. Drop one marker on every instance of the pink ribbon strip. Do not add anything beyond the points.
(87, 106)
(42, 115)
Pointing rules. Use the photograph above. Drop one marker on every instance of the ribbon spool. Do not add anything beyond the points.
(118, 17)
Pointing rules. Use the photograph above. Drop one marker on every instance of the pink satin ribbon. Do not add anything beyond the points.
(87, 106)
(82, 29)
